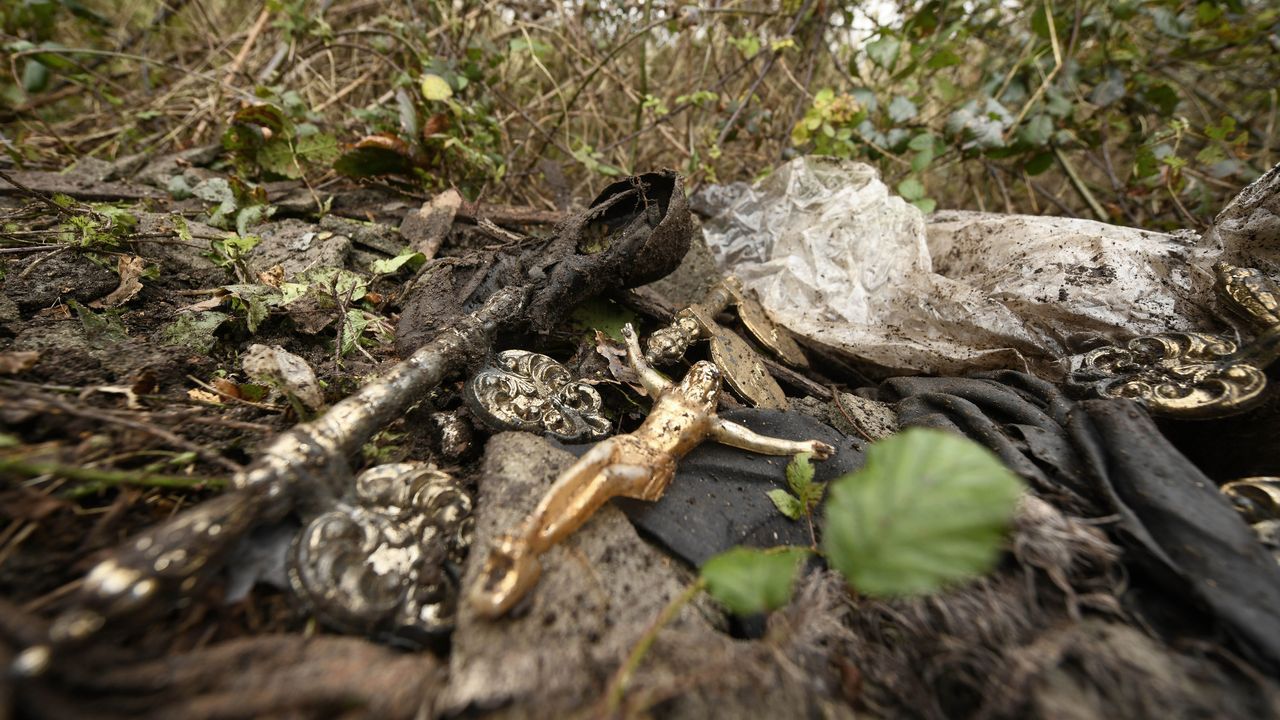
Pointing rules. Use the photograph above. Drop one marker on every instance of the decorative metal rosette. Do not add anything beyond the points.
(527, 391)
(1187, 375)
(380, 561)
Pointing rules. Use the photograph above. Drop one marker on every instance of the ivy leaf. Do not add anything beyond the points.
(786, 503)
(884, 51)
(748, 581)
(929, 508)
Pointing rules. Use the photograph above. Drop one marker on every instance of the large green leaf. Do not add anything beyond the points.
(929, 508)
(748, 581)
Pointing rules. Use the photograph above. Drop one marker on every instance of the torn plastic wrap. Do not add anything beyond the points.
(837, 258)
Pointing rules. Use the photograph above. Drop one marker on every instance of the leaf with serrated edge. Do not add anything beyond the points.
(748, 581)
(786, 503)
(929, 508)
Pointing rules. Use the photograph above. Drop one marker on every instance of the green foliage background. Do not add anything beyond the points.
(1143, 112)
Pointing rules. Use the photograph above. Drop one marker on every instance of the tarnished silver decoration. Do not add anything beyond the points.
(1194, 375)
(527, 391)
(378, 562)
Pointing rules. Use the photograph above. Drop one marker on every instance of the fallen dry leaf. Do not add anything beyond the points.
(272, 276)
(12, 363)
(130, 269)
(203, 396)
(274, 366)
(426, 227)
(226, 387)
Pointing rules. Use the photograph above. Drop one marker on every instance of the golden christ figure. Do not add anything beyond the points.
(639, 465)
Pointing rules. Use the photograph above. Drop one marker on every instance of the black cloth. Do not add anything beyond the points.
(1107, 458)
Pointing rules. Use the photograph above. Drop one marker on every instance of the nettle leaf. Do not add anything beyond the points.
(800, 473)
(786, 503)
(194, 330)
(318, 148)
(929, 508)
(748, 581)
(277, 156)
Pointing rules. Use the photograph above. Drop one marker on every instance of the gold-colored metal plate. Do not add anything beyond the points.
(777, 339)
(1182, 375)
(1249, 293)
(744, 371)
(1257, 498)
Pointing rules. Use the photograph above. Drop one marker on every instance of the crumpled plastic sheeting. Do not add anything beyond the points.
(836, 258)
(1248, 228)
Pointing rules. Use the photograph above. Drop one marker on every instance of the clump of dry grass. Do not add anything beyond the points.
(548, 98)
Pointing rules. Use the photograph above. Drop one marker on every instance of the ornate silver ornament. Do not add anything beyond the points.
(527, 391)
(378, 562)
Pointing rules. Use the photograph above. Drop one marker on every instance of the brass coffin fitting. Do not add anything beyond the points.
(1194, 375)
(1257, 499)
(639, 465)
(742, 366)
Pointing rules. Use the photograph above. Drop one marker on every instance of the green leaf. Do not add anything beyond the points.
(601, 314)
(194, 331)
(409, 256)
(927, 509)
(256, 300)
(748, 581)
(911, 189)
(926, 205)
(353, 325)
(105, 325)
(920, 161)
(1163, 97)
(901, 109)
(1039, 163)
(435, 87)
(884, 51)
(319, 148)
(277, 156)
(1036, 131)
(786, 503)
(945, 57)
(349, 286)
(35, 76)
(800, 473)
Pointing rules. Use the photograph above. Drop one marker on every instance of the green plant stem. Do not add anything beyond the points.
(1079, 185)
(100, 478)
(644, 88)
(618, 687)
